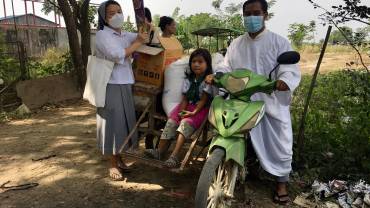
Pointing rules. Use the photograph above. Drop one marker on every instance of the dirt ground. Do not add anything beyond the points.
(77, 175)
(332, 61)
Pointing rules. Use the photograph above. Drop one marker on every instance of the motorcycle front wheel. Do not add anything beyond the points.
(217, 181)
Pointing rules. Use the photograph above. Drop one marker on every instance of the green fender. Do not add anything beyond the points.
(234, 147)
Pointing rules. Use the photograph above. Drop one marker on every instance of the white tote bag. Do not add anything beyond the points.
(98, 73)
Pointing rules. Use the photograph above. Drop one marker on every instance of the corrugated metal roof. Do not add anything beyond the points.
(10, 18)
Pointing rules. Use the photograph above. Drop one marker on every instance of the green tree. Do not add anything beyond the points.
(76, 17)
(337, 37)
(156, 18)
(187, 25)
(361, 35)
(312, 26)
(176, 13)
(128, 25)
(349, 10)
(49, 6)
(231, 15)
(298, 33)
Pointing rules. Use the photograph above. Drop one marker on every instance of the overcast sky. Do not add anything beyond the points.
(286, 11)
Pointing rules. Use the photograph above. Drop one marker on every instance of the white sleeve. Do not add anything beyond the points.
(210, 90)
(185, 86)
(109, 49)
(290, 74)
(131, 36)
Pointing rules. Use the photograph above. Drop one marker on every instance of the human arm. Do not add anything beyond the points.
(200, 105)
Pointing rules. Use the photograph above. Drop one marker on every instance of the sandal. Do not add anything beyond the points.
(172, 162)
(115, 174)
(124, 168)
(281, 199)
(152, 153)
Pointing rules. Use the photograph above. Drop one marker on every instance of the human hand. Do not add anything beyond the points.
(186, 114)
(209, 79)
(281, 86)
(142, 37)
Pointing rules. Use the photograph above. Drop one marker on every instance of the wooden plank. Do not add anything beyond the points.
(128, 138)
(147, 161)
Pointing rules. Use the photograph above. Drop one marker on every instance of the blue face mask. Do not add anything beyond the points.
(253, 24)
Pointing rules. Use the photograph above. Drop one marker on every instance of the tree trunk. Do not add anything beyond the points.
(73, 40)
(84, 29)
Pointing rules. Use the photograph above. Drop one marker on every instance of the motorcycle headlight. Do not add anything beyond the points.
(236, 84)
(253, 121)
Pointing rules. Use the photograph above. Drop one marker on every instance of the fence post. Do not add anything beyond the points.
(313, 82)
(22, 60)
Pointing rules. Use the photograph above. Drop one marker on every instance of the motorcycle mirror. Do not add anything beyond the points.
(289, 57)
(219, 75)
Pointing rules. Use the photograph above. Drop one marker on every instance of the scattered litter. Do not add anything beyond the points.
(4, 188)
(331, 205)
(367, 199)
(347, 196)
(302, 201)
(44, 158)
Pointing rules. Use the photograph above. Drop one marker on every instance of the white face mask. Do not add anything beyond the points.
(117, 20)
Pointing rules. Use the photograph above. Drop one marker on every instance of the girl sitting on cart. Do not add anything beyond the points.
(188, 116)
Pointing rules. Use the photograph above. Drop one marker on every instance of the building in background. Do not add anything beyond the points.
(37, 33)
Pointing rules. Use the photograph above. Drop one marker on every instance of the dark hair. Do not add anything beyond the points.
(101, 14)
(262, 2)
(148, 14)
(207, 57)
(164, 21)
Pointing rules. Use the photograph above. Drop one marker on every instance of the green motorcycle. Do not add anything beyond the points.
(232, 119)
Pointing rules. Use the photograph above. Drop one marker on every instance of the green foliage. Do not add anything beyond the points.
(9, 66)
(128, 25)
(229, 17)
(336, 37)
(53, 63)
(337, 139)
(8, 116)
(49, 7)
(298, 33)
(186, 25)
(156, 18)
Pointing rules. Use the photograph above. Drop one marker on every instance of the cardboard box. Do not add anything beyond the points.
(151, 62)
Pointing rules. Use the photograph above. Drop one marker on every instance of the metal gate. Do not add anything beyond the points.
(13, 68)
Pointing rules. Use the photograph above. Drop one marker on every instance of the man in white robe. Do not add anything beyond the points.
(258, 51)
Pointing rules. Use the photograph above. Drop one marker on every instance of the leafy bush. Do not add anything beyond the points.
(337, 140)
(54, 62)
(9, 68)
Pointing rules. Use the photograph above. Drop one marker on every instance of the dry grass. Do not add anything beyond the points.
(335, 58)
